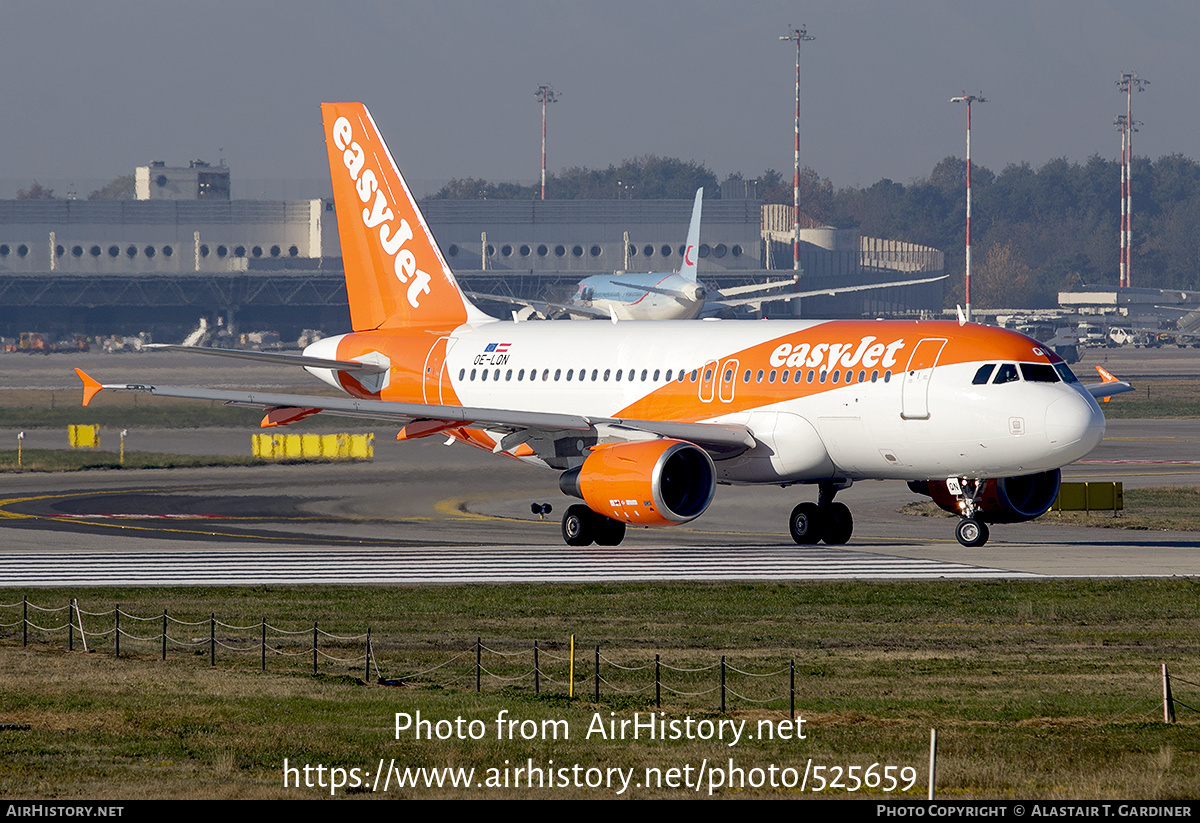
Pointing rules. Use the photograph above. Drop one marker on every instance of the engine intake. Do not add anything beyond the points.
(1002, 499)
(652, 483)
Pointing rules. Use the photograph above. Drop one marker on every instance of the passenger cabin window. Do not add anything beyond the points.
(983, 375)
(1039, 373)
(1007, 373)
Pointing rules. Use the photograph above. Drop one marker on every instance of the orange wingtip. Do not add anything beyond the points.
(91, 386)
(1106, 375)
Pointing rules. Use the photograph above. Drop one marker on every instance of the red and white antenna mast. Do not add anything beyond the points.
(1128, 82)
(545, 94)
(799, 36)
(969, 99)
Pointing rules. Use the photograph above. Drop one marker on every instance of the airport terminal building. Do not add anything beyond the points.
(183, 250)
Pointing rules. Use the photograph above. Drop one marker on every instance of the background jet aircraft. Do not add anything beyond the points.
(677, 295)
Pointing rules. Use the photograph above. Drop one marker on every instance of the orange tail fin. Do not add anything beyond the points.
(395, 274)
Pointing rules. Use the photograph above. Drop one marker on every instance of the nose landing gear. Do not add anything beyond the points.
(971, 531)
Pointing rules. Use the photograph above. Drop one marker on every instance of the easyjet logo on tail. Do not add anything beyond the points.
(379, 213)
(833, 355)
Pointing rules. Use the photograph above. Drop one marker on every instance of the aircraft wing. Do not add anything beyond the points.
(720, 440)
(544, 308)
(278, 358)
(753, 288)
(743, 301)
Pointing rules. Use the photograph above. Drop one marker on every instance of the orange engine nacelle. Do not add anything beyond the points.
(652, 483)
(1003, 499)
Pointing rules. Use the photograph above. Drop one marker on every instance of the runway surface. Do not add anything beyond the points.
(424, 513)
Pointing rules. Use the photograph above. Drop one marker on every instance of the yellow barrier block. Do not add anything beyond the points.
(326, 446)
(310, 445)
(330, 445)
(362, 446)
(84, 437)
(1089, 497)
(292, 446)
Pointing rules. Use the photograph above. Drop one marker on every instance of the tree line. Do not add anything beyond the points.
(1035, 232)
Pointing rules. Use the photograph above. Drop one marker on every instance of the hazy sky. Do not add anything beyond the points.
(93, 89)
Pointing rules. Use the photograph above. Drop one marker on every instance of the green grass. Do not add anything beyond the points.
(1156, 397)
(58, 460)
(1037, 689)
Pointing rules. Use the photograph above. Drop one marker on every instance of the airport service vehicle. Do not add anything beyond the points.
(642, 420)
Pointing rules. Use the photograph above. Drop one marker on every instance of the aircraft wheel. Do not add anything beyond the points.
(971, 532)
(805, 523)
(610, 532)
(839, 524)
(578, 527)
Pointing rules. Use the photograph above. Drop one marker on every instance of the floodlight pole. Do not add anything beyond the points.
(968, 99)
(1128, 82)
(545, 94)
(1123, 125)
(798, 36)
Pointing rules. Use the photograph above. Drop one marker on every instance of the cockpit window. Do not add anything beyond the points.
(1064, 371)
(1007, 373)
(1039, 373)
(983, 375)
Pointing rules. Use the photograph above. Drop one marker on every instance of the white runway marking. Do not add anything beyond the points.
(475, 565)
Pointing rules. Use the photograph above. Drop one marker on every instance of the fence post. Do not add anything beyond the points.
(367, 664)
(164, 636)
(25, 621)
(212, 638)
(596, 676)
(537, 674)
(478, 652)
(262, 647)
(1168, 701)
(70, 626)
(932, 761)
(792, 688)
(657, 682)
(117, 628)
(722, 684)
(314, 647)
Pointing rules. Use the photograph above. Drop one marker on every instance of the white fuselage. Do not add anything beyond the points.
(864, 407)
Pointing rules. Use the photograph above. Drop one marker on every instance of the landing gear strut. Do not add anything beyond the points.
(581, 527)
(824, 520)
(971, 531)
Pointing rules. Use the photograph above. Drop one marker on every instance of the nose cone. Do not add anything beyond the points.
(1074, 425)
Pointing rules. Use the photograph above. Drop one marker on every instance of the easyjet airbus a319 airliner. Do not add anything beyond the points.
(644, 419)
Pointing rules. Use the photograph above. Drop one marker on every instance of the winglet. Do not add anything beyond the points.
(91, 386)
(1108, 386)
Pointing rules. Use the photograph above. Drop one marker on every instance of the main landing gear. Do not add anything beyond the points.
(823, 520)
(582, 527)
(971, 531)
